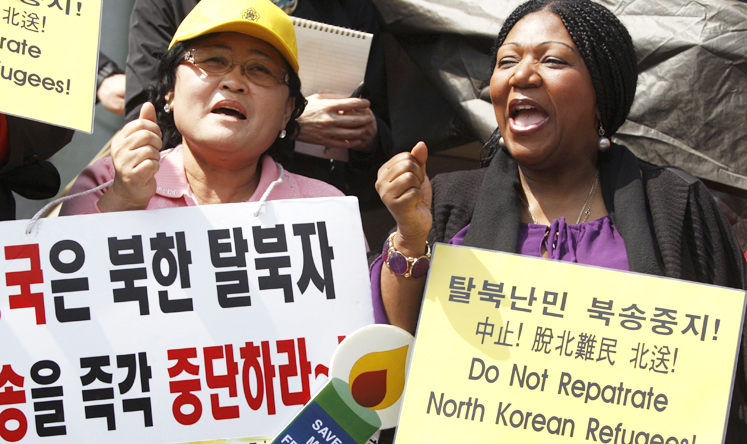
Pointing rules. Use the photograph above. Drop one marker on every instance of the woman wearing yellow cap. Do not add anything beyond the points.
(229, 88)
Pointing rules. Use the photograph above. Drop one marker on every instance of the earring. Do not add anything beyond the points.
(167, 108)
(603, 144)
(501, 142)
(282, 134)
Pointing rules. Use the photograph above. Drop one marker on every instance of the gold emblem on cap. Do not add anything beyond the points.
(250, 14)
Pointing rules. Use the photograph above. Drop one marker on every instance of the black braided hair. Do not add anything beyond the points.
(281, 150)
(606, 47)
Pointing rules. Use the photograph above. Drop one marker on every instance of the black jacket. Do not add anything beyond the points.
(31, 143)
(26, 171)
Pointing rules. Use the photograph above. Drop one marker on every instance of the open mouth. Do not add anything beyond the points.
(229, 111)
(526, 117)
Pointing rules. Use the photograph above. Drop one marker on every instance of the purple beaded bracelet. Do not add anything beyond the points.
(404, 265)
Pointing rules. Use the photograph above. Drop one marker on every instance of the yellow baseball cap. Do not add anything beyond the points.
(257, 18)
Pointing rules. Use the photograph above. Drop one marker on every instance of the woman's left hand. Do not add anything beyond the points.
(111, 93)
(337, 121)
(135, 157)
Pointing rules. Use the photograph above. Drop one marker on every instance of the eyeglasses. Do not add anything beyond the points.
(263, 72)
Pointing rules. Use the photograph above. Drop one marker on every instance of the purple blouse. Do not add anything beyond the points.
(591, 243)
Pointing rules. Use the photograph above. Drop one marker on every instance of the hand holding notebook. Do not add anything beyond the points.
(333, 63)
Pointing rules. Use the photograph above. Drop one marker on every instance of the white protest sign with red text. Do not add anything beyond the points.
(175, 325)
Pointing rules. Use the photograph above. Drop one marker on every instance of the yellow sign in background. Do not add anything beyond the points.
(511, 348)
(48, 53)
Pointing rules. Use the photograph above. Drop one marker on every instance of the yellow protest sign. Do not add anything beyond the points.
(48, 53)
(517, 349)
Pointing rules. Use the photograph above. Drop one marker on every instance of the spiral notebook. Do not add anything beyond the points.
(331, 58)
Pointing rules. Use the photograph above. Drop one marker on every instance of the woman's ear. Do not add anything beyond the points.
(290, 105)
(169, 98)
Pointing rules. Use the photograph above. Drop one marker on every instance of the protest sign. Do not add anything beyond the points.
(517, 349)
(175, 325)
(48, 53)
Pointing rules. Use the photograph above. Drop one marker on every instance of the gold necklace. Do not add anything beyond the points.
(585, 210)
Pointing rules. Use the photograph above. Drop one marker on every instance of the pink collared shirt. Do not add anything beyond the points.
(173, 190)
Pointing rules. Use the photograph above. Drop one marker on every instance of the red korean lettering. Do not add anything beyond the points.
(251, 354)
(185, 387)
(24, 279)
(222, 381)
(291, 369)
(9, 396)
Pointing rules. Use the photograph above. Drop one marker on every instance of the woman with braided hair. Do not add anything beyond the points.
(553, 185)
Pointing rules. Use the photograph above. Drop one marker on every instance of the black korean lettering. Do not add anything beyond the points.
(131, 363)
(162, 245)
(126, 251)
(59, 6)
(219, 251)
(459, 292)
(64, 286)
(41, 379)
(491, 292)
(173, 305)
(139, 405)
(221, 257)
(270, 240)
(69, 267)
(100, 410)
(663, 320)
(601, 310)
(275, 279)
(240, 285)
(131, 293)
(96, 372)
(551, 299)
(129, 252)
(309, 271)
(631, 320)
(691, 326)
(515, 297)
(185, 259)
(51, 422)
